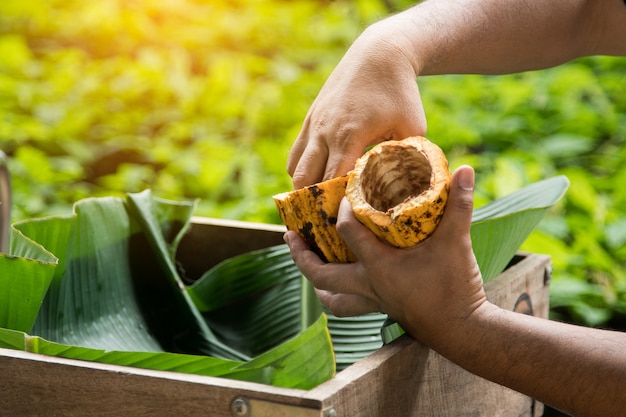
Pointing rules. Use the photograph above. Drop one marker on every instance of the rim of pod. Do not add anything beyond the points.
(397, 189)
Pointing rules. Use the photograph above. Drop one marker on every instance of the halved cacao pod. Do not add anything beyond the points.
(399, 190)
(312, 212)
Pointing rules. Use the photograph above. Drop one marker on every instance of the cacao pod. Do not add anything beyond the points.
(398, 189)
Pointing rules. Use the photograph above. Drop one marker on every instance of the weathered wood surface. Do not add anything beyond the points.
(401, 379)
(36, 385)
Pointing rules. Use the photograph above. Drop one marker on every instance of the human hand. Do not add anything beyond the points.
(429, 289)
(371, 96)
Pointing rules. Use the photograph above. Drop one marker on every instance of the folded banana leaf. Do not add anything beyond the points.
(26, 274)
(114, 295)
(253, 299)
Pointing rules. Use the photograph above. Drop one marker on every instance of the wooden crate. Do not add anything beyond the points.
(401, 379)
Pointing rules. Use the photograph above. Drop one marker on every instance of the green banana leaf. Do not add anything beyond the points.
(115, 296)
(252, 300)
(500, 227)
(161, 291)
(194, 364)
(26, 275)
(256, 298)
(355, 337)
(110, 265)
(302, 362)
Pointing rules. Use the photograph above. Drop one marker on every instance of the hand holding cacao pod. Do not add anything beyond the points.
(398, 189)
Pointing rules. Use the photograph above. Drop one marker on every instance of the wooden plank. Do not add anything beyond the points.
(37, 385)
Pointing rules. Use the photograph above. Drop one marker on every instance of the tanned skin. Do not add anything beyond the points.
(372, 94)
(434, 290)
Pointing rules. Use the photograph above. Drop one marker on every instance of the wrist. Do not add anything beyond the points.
(454, 334)
(388, 40)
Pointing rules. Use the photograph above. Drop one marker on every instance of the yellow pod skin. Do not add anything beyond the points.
(312, 212)
(399, 190)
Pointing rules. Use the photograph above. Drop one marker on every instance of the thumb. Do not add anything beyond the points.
(457, 218)
(359, 238)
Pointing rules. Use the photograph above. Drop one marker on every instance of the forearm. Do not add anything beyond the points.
(503, 36)
(579, 370)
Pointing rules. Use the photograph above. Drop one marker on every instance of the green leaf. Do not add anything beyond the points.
(500, 227)
(193, 364)
(355, 337)
(91, 301)
(302, 362)
(255, 299)
(241, 277)
(114, 289)
(26, 274)
(23, 285)
(12, 339)
(116, 297)
(171, 313)
(264, 321)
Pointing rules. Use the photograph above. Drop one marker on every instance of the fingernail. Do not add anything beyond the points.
(286, 238)
(466, 179)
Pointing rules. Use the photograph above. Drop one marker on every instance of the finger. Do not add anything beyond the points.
(295, 153)
(309, 168)
(345, 305)
(329, 291)
(457, 218)
(341, 161)
(334, 277)
(299, 145)
(359, 238)
(300, 252)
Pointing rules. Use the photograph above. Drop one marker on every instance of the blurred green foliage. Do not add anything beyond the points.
(203, 99)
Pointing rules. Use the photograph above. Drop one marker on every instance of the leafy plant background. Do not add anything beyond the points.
(203, 99)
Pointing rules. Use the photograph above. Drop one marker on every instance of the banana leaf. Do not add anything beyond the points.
(115, 296)
(252, 300)
(292, 364)
(161, 291)
(355, 337)
(107, 284)
(26, 275)
(256, 298)
(193, 364)
(500, 227)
